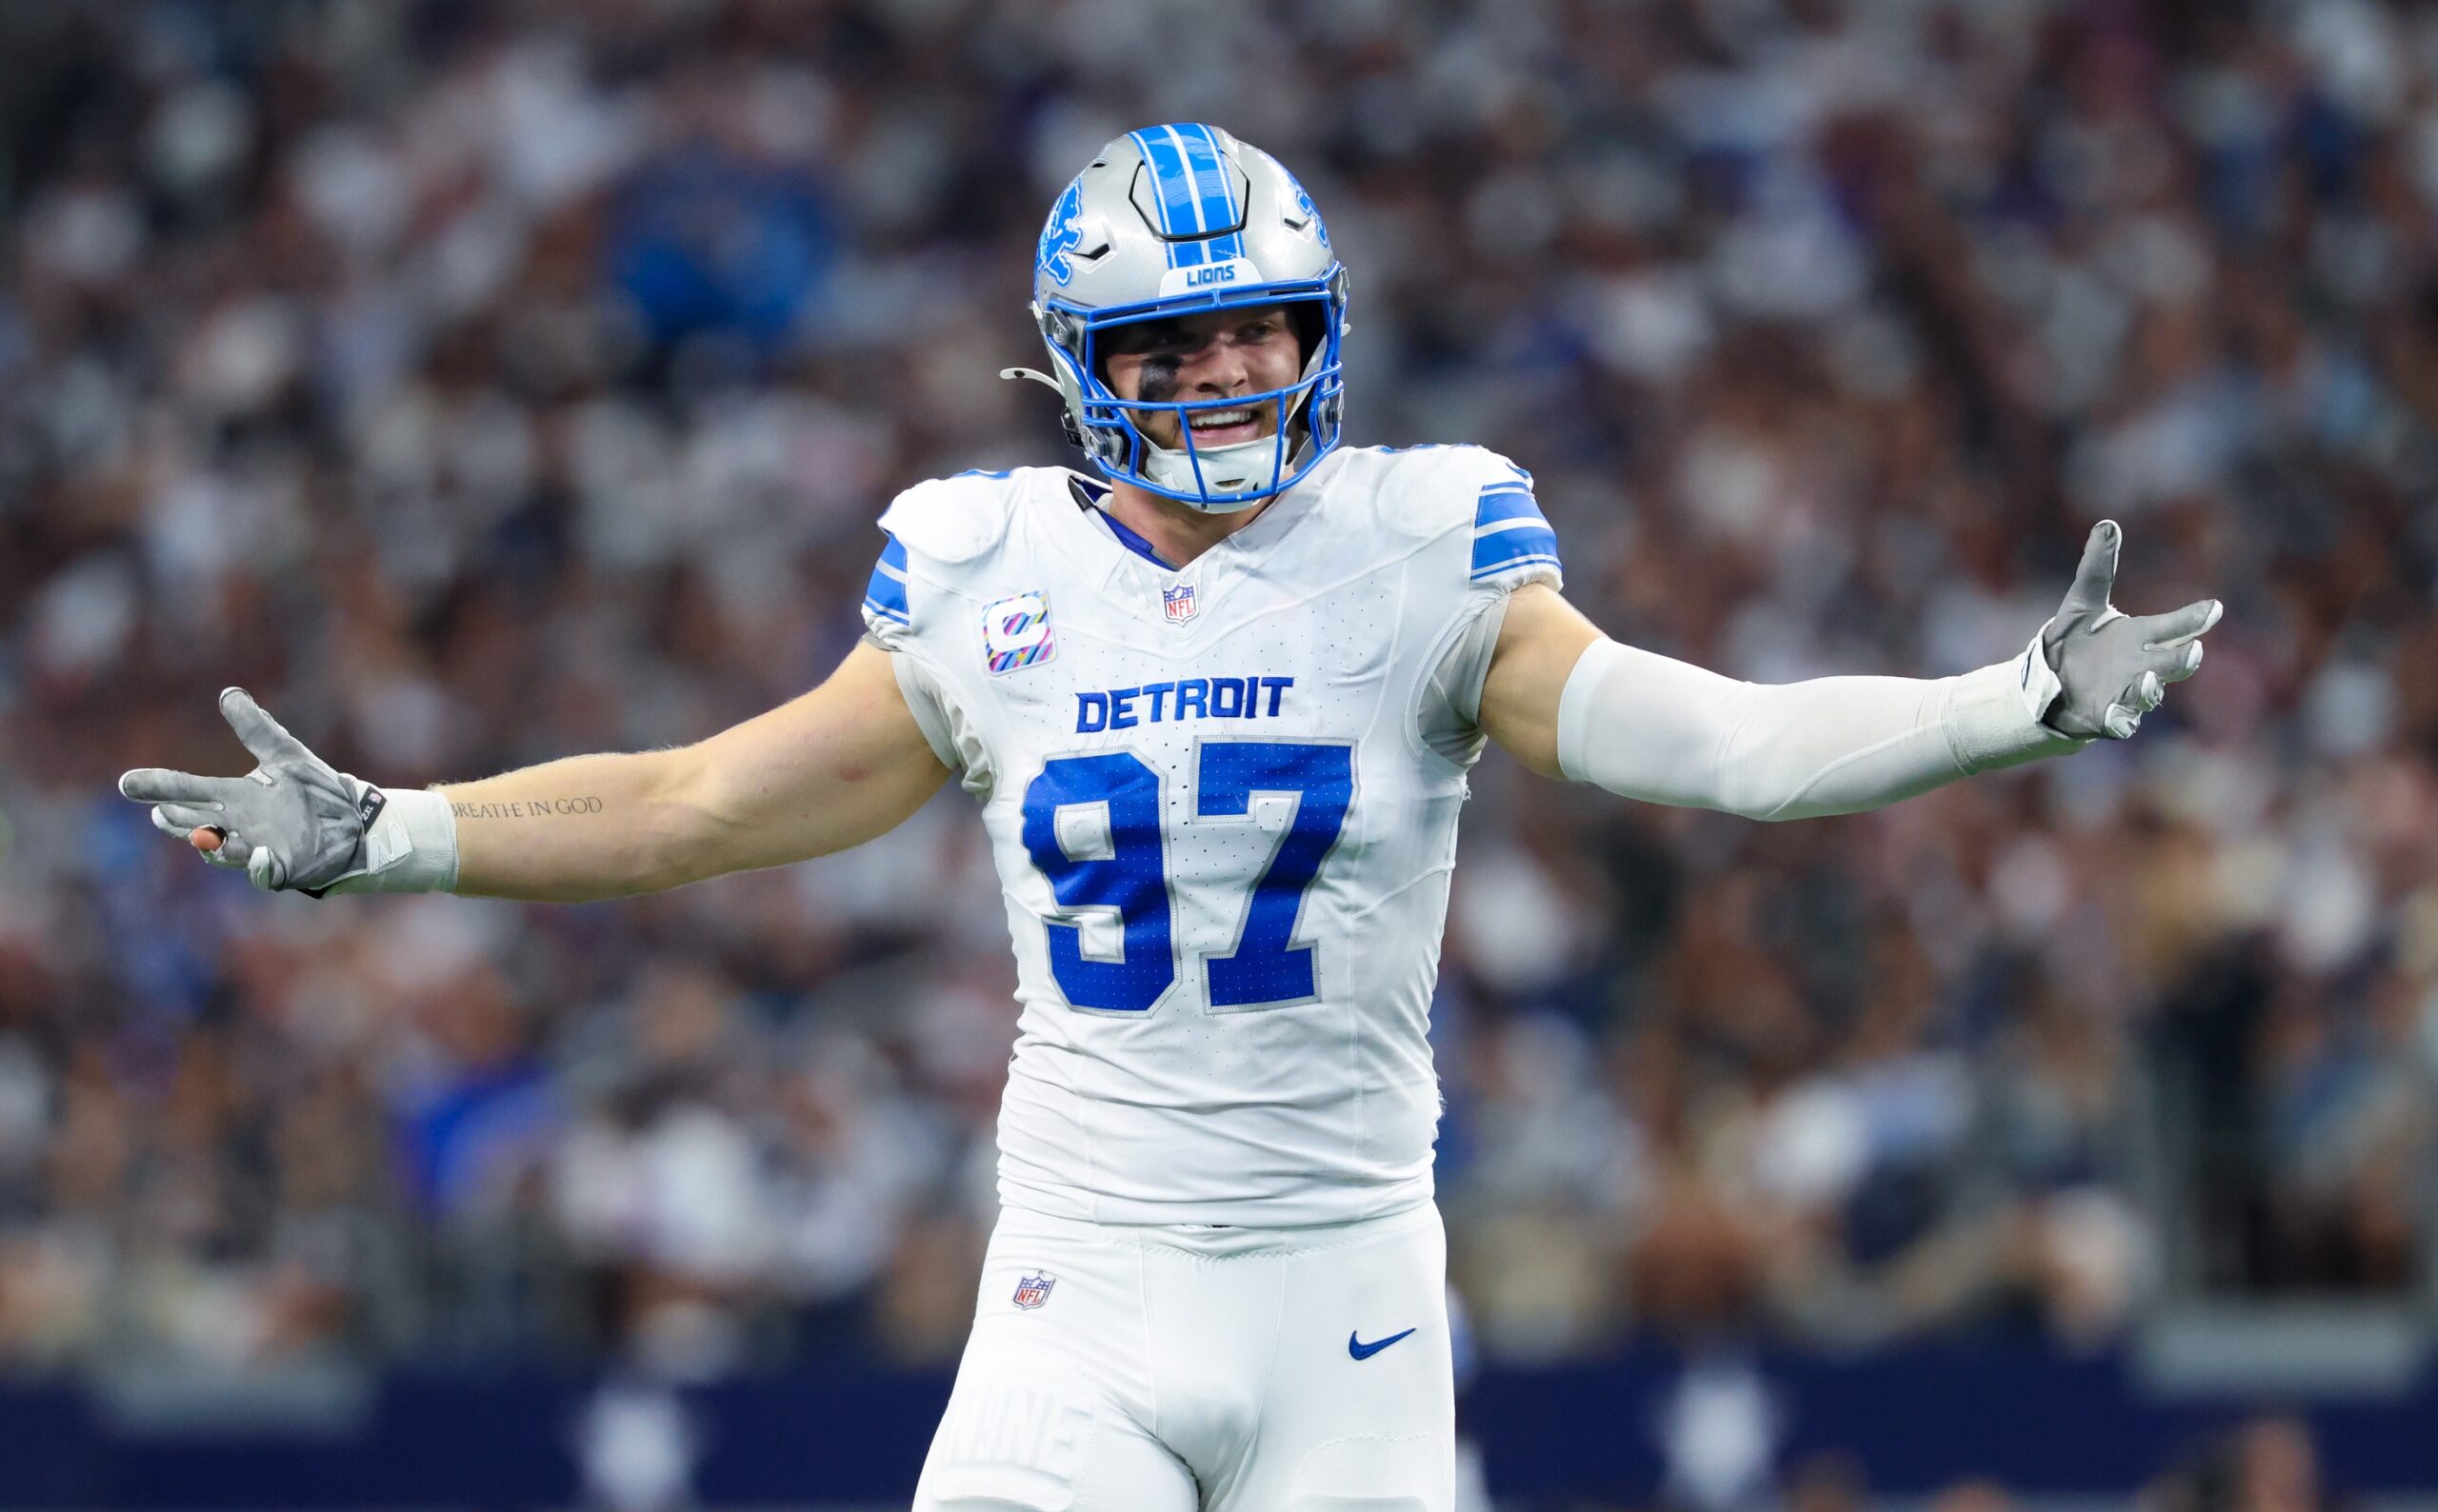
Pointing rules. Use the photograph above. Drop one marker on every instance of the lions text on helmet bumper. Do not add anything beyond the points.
(1209, 276)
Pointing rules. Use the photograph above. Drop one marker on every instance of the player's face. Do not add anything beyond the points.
(1205, 356)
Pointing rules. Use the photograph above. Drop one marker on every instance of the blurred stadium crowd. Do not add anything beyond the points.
(481, 382)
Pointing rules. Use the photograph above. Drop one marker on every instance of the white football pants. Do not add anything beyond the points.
(1197, 1369)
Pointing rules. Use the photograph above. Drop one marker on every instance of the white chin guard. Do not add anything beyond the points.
(1238, 468)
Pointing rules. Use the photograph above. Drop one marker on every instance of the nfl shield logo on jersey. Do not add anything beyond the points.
(1177, 603)
(1032, 1292)
(1015, 633)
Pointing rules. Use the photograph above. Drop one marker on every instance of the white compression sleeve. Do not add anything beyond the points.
(1647, 726)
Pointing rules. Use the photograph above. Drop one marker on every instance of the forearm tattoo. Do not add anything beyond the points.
(528, 808)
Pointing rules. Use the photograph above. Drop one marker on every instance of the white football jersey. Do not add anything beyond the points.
(1222, 800)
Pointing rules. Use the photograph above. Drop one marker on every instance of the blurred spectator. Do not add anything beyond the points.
(1973, 1496)
(2268, 1464)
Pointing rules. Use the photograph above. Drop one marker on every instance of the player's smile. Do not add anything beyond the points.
(1203, 357)
(1223, 427)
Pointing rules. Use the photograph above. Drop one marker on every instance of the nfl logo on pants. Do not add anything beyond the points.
(1032, 1292)
(1177, 603)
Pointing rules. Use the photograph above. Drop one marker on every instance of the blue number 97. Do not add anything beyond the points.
(1263, 967)
(1131, 876)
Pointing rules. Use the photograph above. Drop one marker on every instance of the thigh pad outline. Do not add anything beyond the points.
(1402, 1474)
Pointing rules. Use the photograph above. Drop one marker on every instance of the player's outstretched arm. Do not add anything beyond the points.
(831, 769)
(1570, 702)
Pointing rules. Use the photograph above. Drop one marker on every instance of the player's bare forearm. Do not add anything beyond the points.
(583, 827)
(1542, 639)
(832, 769)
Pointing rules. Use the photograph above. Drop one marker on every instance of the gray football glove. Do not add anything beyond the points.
(293, 823)
(2112, 669)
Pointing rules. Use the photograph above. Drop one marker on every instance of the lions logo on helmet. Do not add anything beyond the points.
(1061, 236)
(1170, 221)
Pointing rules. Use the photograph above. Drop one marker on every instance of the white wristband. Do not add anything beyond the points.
(410, 846)
(1993, 714)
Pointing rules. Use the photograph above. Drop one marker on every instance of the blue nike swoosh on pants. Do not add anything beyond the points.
(1359, 1350)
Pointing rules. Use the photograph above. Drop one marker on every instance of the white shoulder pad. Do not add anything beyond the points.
(1428, 491)
(1433, 491)
(953, 520)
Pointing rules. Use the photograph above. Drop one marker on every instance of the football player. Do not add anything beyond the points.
(1216, 700)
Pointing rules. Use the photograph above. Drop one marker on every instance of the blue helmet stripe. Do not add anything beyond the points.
(1216, 191)
(1173, 188)
(1196, 179)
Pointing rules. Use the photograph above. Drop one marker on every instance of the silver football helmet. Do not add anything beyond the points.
(1168, 221)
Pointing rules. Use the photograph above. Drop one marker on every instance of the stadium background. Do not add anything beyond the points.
(480, 383)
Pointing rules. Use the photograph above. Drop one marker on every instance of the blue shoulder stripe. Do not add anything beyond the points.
(1501, 502)
(886, 594)
(1518, 546)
